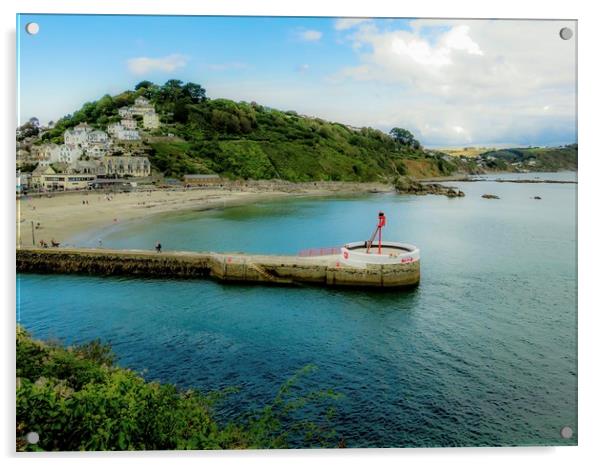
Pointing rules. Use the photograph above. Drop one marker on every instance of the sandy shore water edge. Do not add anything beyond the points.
(62, 217)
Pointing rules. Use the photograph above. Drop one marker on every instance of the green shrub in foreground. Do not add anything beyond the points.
(75, 399)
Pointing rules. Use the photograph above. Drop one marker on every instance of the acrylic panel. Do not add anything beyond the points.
(295, 232)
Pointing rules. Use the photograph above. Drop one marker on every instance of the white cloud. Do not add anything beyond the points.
(144, 65)
(303, 68)
(310, 35)
(342, 24)
(452, 81)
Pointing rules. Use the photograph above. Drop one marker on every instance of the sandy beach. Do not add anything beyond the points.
(62, 216)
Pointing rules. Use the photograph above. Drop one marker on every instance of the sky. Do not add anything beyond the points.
(453, 83)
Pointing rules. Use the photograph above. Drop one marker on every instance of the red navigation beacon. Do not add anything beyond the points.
(382, 221)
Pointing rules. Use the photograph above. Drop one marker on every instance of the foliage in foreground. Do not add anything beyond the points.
(76, 399)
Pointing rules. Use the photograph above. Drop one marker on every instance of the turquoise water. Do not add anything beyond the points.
(483, 352)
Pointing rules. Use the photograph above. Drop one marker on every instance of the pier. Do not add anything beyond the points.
(394, 270)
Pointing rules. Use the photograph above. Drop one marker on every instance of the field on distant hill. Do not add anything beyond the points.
(466, 151)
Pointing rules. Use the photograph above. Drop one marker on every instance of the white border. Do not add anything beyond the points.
(589, 226)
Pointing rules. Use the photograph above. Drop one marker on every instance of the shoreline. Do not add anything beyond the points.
(475, 178)
(66, 216)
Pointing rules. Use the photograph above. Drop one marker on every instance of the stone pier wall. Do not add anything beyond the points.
(279, 270)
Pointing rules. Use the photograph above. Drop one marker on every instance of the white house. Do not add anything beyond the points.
(125, 112)
(113, 128)
(126, 165)
(128, 123)
(150, 120)
(142, 106)
(127, 134)
(69, 153)
(141, 102)
(118, 131)
(77, 135)
(97, 151)
(49, 153)
(97, 136)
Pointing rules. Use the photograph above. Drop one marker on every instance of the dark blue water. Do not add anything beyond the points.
(483, 352)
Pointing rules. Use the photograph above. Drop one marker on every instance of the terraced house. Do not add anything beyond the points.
(126, 166)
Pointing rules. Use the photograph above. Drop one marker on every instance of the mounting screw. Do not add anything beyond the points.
(566, 33)
(566, 432)
(32, 437)
(32, 28)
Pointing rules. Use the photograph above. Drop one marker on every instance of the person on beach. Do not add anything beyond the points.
(158, 247)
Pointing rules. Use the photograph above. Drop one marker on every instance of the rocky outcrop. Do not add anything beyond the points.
(489, 196)
(405, 185)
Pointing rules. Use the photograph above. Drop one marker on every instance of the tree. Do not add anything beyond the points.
(194, 91)
(143, 85)
(180, 112)
(404, 137)
(28, 129)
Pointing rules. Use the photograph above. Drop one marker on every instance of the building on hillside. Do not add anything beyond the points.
(128, 123)
(97, 151)
(141, 101)
(69, 153)
(97, 136)
(23, 155)
(88, 167)
(150, 121)
(125, 112)
(202, 180)
(142, 106)
(118, 131)
(48, 153)
(128, 135)
(126, 166)
(113, 128)
(77, 135)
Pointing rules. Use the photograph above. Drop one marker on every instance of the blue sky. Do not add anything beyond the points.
(453, 83)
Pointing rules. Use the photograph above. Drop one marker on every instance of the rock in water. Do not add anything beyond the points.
(406, 185)
(537, 198)
(489, 196)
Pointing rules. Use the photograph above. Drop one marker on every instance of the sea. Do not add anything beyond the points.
(482, 353)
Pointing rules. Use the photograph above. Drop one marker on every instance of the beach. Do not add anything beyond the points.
(61, 216)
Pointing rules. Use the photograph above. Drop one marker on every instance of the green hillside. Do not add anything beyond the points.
(248, 140)
(533, 158)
